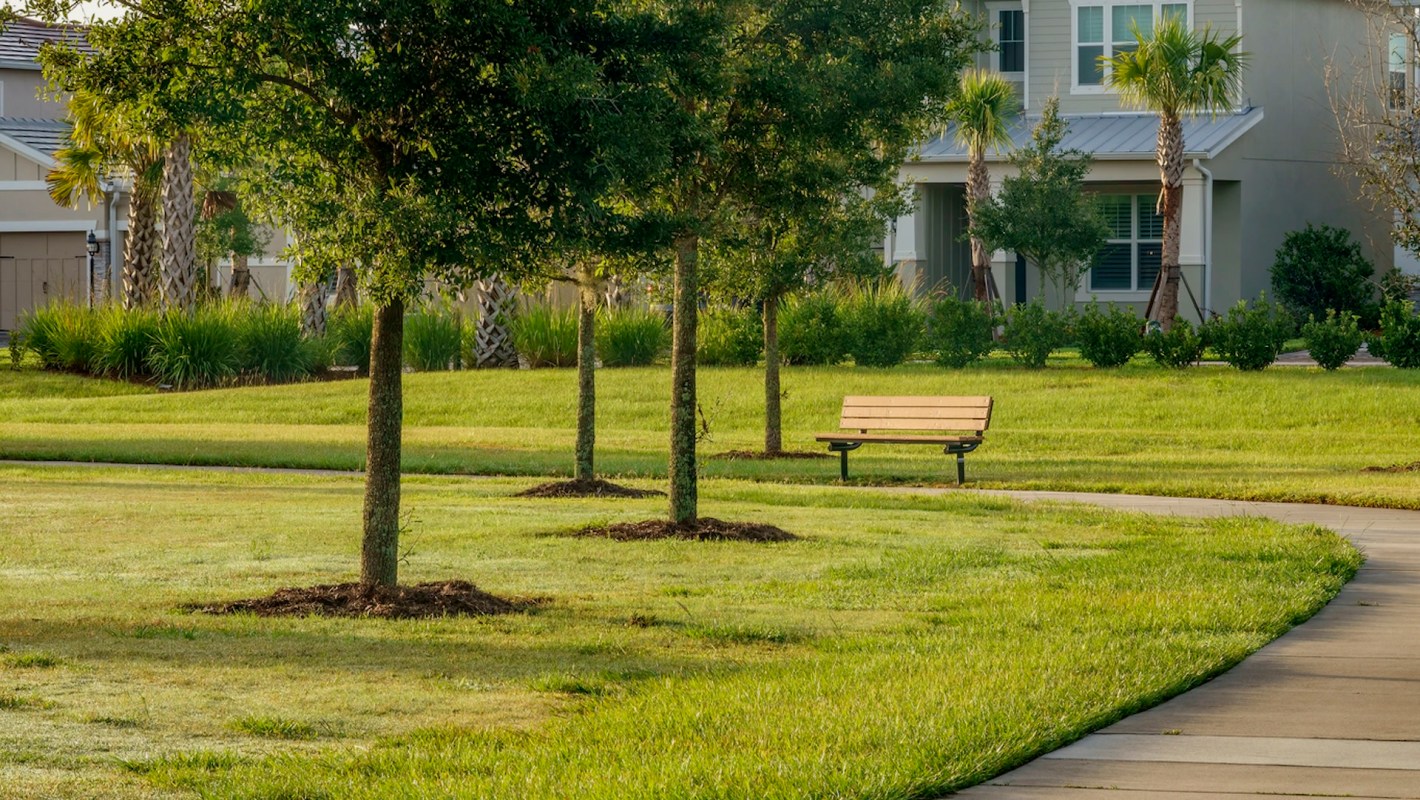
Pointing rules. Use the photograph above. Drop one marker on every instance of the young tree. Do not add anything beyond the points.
(1176, 71)
(1043, 212)
(983, 109)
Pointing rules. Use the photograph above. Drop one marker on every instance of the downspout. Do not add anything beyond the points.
(1207, 236)
(111, 199)
(1025, 23)
(1243, 97)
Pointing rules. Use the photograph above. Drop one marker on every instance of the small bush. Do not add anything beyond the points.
(196, 350)
(730, 337)
(351, 329)
(884, 321)
(1322, 268)
(812, 329)
(62, 335)
(1179, 347)
(271, 344)
(1110, 338)
(1033, 332)
(632, 337)
(1333, 341)
(433, 338)
(125, 340)
(1399, 339)
(1251, 337)
(959, 332)
(546, 336)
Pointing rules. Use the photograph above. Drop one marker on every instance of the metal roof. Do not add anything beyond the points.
(43, 136)
(1119, 137)
(21, 40)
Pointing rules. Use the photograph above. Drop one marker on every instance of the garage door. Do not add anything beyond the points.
(37, 269)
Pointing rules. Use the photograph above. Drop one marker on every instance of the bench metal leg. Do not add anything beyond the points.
(842, 448)
(961, 468)
(960, 451)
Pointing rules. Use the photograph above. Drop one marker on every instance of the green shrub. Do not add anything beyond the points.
(1320, 269)
(1179, 347)
(125, 341)
(433, 338)
(812, 329)
(546, 336)
(62, 335)
(1333, 341)
(1251, 337)
(631, 337)
(351, 329)
(884, 321)
(1033, 332)
(730, 337)
(1399, 339)
(959, 332)
(1109, 338)
(271, 344)
(197, 349)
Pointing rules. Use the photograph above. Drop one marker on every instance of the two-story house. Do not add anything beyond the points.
(1268, 167)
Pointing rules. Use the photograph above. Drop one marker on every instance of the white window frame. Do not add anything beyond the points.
(1136, 198)
(993, 20)
(1109, 35)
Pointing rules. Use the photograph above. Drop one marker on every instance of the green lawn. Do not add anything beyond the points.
(1284, 434)
(905, 646)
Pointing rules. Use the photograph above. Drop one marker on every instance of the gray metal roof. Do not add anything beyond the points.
(1119, 137)
(21, 40)
(44, 135)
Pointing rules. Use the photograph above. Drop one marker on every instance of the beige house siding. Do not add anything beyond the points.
(24, 96)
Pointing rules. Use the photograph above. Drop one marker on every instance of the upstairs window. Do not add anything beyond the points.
(1011, 33)
(1399, 58)
(1105, 29)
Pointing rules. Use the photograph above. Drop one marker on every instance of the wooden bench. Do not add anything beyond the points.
(957, 423)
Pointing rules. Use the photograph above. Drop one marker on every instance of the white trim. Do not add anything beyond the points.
(40, 157)
(1110, 36)
(23, 186)
(46, 226)
(1025, 25)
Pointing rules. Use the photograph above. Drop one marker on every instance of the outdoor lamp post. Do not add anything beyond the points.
(91, 243)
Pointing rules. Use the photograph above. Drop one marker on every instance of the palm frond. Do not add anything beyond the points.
(983, 110)
(1179, 71)
(78, 172)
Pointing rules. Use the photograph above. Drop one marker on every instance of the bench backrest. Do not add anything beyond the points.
(867, 413)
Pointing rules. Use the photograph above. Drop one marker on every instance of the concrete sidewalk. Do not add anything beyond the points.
(1331, 709)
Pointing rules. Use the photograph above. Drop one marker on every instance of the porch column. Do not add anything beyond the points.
(909, 246)
(1193, 252)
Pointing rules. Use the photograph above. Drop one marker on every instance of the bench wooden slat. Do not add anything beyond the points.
(885, 438)
(913, 423)
(918, 402)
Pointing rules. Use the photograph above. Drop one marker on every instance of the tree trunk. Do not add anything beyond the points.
(179, 279)
(773, 417)
(139, 246)
(586, 373)
(345, 294)
(684, 501)
(241, 278)
(978, 190)
(493, 337)
(379, 551)
(1170, 157)
(312, 299)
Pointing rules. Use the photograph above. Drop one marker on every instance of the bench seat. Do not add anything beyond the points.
(958, 424)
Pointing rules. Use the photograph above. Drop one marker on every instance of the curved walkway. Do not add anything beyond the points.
(1331, 709)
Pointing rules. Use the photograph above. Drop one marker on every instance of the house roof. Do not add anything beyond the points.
(1118, 137)
(38, 139)
(21, 40)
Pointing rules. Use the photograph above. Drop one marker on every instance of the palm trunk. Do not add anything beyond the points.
(179, 279)
(312, 298)
(139, 246)
(586, 373)
(1170, 158)
(241, 278)
(978, 190)
(493, 337)
(773, 416)
(684, 499)
(379, 550)
(345, 294)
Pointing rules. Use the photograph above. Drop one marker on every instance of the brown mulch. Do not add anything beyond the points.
(417, 601)
(594, 487)
(758, 455)
(705, 529)
(1411, 467)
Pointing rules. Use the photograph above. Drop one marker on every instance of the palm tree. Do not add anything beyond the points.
(1176, 71)
(179, 279)
(983, 110)
(106, 143)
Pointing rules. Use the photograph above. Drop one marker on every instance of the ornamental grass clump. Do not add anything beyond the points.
(884, 322)
(1251, 336)
(1033, 332)
(1178, 347)
(1333, 341)
(959, 332)
(197, 349)
(433, 338)
(125, 342)
(1399, 339)
(272, 346)
(812, 330)
(730, 337)
(62, 335)
(350, 330)
(632, 337)
(1109, 338)
(546, 337)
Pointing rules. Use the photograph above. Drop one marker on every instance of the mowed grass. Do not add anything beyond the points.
(907, 645)
(1285, 434)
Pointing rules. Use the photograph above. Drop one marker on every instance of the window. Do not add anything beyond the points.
(1012, 41)
(1105, 29)
(1399, 57)
(1131, 260)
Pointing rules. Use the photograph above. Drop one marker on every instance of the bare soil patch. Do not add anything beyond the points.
(594, 487)
(705, 529)
(416, 601)
(758, 455)
(1411, 467)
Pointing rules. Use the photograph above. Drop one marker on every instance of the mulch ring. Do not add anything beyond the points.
(1411, 467)
(757, 455)
(592, 487)
(705, 529)
(417, 601)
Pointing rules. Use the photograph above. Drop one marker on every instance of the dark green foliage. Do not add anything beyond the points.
(1397, 286)
(812, 329)
(125, 339)
(884, 322)
(350, 330)
(196, 350)
(1321, 269)
(1333, 341)
(1399, 339)
(271, 344)
(730, 337)
(1179, 347)
(632, 338)
(62, 335)
(1250, 337)
(959, 332)
(1109, 338)
(546, 337)
(1033, 332)
(433, 338)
